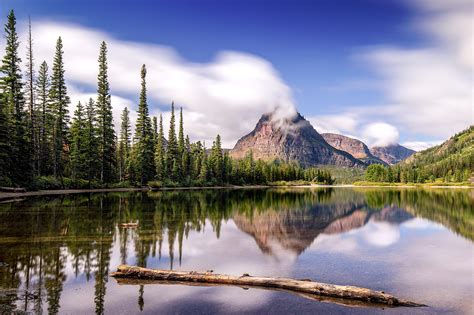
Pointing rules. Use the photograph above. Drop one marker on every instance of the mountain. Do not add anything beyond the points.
(293, 230)
(354, 147)
(392, 154)
(452, 160)
(290, 139)
(290, 232)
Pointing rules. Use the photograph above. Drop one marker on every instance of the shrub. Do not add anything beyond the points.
(171, 183)
(6, 182)
(45, 183)
(155, 184)
(289, 183)
(124, 184)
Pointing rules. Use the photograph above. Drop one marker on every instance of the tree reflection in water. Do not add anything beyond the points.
(41, 237)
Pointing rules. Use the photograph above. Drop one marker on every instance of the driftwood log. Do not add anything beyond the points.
(305, 287)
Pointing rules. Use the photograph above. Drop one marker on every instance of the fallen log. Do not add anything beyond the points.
(306, 287)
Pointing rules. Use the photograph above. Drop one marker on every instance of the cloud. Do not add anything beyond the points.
(381, 234)
(355, 126)
(341, 124)
(420, 145)
(380, 134)
(430, 88)
(225, 95)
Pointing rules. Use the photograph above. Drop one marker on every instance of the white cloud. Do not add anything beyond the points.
(420, 145)
(226, 95)
(341, 124)
(381, 234)
(380, 134)
(431, 88)
(428, 89)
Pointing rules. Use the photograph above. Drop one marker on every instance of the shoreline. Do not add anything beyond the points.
(17, 195)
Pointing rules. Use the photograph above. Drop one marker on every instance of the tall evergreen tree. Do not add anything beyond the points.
(30, 93)
(216, 159)
(4, 144)
(143, 147)
(124, 146)
(155, 129)
(13, 100)
(160, 152)
(186, 160)
(181, 144)
(44, 120)
(91, 143)
(105, 120)
(78, 144)
(172, 150)
(60, 103)
(204, 169)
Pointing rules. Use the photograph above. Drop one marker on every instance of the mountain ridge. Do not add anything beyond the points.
(291, 139)
(355, 147)
(452, 160)
(392, 154)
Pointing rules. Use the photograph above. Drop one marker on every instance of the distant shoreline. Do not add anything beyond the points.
(19, 195)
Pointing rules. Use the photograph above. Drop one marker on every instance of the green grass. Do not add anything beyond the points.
(365, 183)
(290, 183)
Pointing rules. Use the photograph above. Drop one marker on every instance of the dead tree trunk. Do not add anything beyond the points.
(306, 287)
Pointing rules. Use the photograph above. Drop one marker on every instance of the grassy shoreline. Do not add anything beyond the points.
(16, 195)
(426, 185)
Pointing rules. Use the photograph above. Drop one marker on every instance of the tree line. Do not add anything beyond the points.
(42, 147)
(451, 161)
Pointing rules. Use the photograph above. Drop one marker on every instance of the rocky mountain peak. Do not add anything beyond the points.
(355, 147)
(392, 154)
(290, 139)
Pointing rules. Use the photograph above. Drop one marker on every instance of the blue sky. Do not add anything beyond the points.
(340, 59)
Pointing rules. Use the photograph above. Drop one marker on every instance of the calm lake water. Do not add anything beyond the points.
(56, 252)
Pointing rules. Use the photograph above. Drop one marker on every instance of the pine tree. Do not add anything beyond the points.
(181, 144)
(227, 168)
(204, 171)
(216, 159)
(30, 92)
(143, 147)
(44, 120)
(4, 144)
(124, 146)
(91, 143)
(13, 100)
(155, 130)
(172, 150)
(78, 141)
(186, 160)
(196, 160)
(160, 152)
(60, 103)
(105, 120)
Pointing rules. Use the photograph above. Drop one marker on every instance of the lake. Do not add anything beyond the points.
(56, 252)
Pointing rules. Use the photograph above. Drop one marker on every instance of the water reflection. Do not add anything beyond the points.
(48, 243)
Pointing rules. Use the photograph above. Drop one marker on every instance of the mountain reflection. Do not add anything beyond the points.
(46, 241)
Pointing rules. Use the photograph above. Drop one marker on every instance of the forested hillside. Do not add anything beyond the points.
(451, 161)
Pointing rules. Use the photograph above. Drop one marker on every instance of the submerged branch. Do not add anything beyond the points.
(307, 288)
